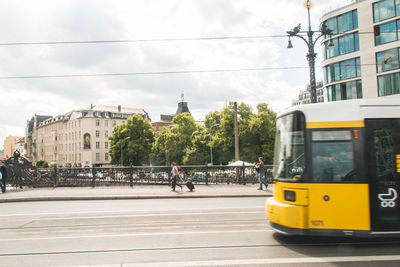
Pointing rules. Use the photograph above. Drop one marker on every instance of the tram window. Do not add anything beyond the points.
(332, 156)
(289, 160)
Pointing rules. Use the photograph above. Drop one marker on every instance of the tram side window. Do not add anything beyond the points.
(332, 156)
(289, 160)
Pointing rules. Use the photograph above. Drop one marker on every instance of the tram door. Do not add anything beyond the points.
(383, 155)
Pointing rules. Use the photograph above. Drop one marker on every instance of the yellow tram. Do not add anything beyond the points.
(337, 169)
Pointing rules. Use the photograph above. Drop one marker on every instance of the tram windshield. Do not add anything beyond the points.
(289, 160)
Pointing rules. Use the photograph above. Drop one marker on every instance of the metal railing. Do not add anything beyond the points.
(133, 175)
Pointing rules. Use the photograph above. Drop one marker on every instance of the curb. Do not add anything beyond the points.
(122, 197)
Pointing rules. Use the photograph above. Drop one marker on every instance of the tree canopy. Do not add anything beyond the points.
(190, 143)
(132, 142)
(256, 133)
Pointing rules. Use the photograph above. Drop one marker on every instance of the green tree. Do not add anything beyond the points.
(223, 140)
(256, 133)
(42, 164)
(189, 143)
(158, 153)
(263, 126)
(179, 137)
(199, 152)
(247, 140)
(135, 138)
(172, 143)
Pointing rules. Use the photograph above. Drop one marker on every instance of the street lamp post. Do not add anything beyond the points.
(311, 55)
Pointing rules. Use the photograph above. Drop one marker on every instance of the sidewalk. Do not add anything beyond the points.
(136, 192)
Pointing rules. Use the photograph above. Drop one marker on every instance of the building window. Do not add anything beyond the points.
(114, 123)
(106, 145)
(97, 133)
(332, 25)
(345, 22)
(97, 145)
(387, 60)
(97, 156)
(385, 33)
(346, 44)
(389, 84)
(97, 122)
(106, 123)
(106, 156)
(386, 9)
(106, 133)
(343, 45)
(344, 91)
(347, 69)
(342, 23)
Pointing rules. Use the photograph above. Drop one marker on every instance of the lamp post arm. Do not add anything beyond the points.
(299, 36)
(319, 36)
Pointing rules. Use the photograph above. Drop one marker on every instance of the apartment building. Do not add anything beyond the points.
(10, 145)
(78, 138)
(361, 57)
(305, 95)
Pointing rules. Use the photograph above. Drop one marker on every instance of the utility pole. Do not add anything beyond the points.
(236, 131)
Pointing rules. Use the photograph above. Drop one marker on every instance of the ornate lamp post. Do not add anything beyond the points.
(311, 55)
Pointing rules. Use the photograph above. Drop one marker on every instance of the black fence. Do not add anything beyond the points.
(133, 175)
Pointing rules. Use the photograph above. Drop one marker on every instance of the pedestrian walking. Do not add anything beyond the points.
(3, 176)
(175, 176)
(261, 173)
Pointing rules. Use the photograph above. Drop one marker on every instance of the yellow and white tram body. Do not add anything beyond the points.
(337, 169)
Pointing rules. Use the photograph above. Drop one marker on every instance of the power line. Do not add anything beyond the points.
(142, 40)
(150, 40)
(145, 73)
(157, 72)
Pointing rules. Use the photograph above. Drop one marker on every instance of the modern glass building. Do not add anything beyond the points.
(364, 59)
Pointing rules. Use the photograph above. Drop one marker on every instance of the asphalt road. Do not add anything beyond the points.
(173, 232)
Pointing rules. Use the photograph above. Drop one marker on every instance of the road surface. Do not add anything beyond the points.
(173, 232)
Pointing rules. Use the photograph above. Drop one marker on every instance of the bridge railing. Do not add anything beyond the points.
(135, 175)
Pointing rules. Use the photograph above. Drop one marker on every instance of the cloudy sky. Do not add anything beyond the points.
(187, 26)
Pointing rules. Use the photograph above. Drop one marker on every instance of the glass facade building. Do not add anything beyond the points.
(364, 61)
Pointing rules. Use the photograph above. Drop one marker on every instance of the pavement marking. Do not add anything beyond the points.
(250, 262)
(147, 215)
(115, 212)
(136, 234)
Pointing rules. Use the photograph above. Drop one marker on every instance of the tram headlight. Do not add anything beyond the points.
(289, 195)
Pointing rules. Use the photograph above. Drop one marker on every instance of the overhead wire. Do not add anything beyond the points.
(142, 40)
(156, 72)
(146, 73)
(151, 40)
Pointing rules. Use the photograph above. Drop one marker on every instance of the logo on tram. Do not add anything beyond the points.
(387, 200)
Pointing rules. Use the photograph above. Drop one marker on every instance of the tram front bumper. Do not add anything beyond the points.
(288, 215)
